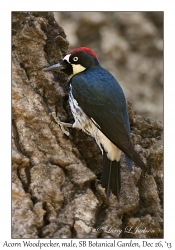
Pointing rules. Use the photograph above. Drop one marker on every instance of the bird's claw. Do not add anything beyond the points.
(61, 124)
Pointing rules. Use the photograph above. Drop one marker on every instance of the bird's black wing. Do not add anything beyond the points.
(107, 106)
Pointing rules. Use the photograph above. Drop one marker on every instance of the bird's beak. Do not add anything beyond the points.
(56, 67)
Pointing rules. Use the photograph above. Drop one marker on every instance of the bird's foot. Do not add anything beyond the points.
(62, 124)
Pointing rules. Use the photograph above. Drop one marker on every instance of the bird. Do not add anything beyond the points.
(99, 108)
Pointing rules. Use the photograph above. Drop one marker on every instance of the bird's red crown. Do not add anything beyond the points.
(85, 50)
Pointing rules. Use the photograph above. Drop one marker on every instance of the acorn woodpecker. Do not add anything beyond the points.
(99, 108)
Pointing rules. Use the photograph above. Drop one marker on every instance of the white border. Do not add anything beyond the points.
(5, 94)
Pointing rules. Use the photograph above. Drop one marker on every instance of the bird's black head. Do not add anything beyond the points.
(76, 61)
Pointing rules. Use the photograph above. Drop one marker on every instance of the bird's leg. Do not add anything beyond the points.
(62, 124)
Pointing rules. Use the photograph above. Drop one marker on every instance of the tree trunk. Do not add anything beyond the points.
(55, 191)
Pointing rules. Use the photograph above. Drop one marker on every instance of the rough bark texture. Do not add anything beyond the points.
(55, 191)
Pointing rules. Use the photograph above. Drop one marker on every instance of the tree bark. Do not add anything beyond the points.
(55, 189)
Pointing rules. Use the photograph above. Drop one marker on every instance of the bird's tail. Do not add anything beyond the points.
(130, 153)
(111, 177)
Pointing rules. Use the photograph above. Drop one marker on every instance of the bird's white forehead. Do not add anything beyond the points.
(67, 58)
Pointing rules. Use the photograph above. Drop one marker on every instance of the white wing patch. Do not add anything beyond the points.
(89, 126)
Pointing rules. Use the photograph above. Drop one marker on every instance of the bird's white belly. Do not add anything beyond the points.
(113, 153)
(83, 122)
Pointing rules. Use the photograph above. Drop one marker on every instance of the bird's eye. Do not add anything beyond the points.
(75, 58)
